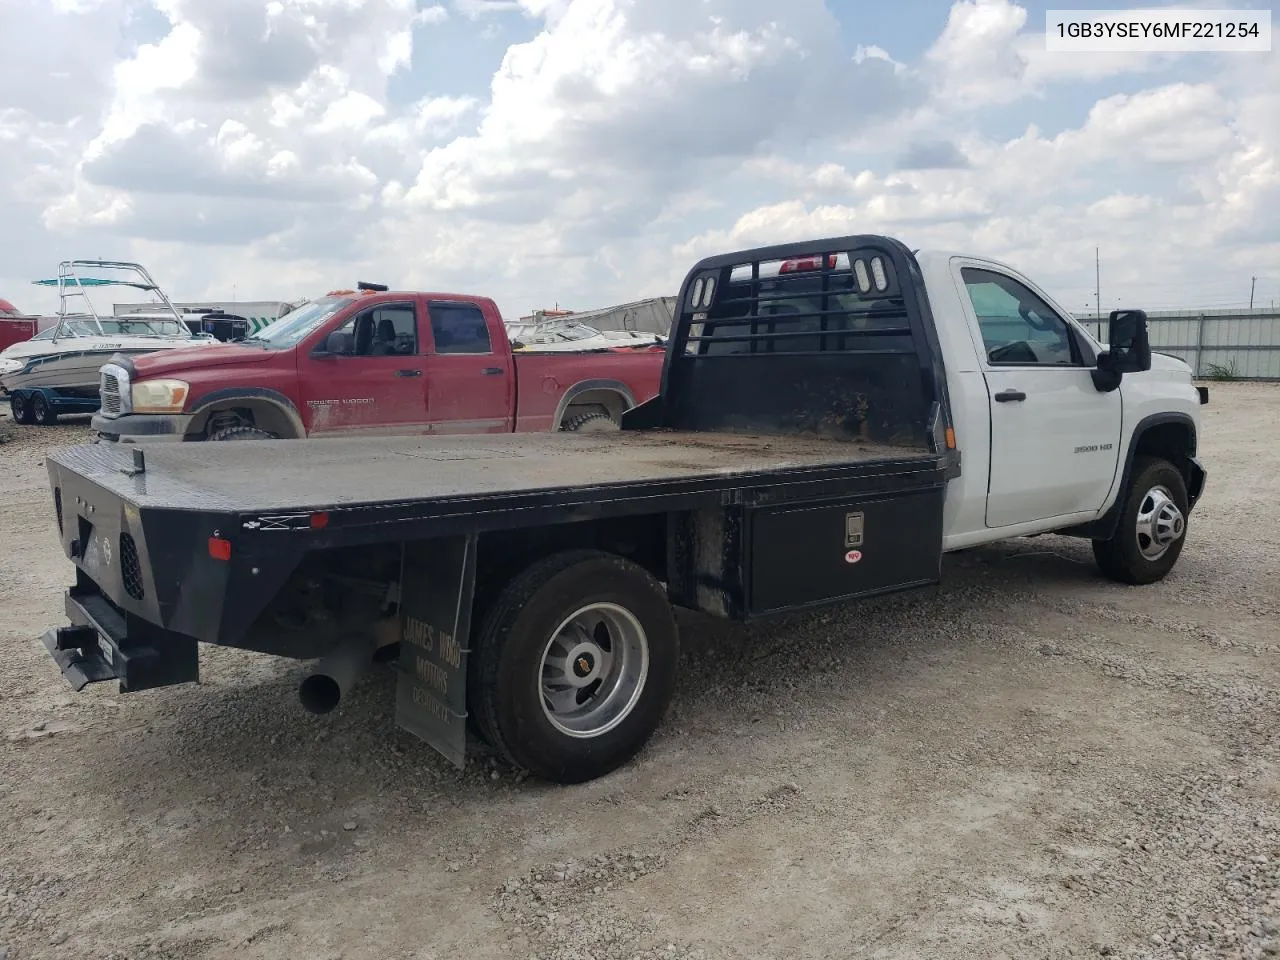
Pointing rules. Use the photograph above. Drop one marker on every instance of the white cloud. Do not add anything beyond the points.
(474, 9)
(638, 96)
(989, 53)
(975, 54)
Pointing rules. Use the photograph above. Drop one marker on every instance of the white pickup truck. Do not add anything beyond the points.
(834, 416)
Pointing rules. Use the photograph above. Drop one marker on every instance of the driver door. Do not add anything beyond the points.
(1054, 436)
(376, 388)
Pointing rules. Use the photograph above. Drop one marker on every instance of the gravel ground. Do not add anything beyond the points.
(1030, 762)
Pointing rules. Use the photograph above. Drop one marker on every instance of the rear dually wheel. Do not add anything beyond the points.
(574, 665)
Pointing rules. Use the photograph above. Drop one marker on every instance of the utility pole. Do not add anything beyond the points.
(1253, 285)
(1097, 279)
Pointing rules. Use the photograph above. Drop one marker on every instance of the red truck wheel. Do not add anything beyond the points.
(241, 433)
(592, 423)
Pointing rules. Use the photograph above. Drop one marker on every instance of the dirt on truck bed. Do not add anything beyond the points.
(1031, 762)
(280, 474)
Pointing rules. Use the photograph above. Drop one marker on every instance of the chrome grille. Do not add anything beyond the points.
(109, 394)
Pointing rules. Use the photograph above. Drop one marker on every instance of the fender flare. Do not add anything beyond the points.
(260, 394)
(586, 386)
(1104, 526)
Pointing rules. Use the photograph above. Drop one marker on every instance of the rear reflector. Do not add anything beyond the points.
(319, 520)
(219, 549)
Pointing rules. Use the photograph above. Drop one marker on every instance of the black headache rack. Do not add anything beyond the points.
(832, 337)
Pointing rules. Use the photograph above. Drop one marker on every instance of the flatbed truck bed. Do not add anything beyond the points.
(469, 472)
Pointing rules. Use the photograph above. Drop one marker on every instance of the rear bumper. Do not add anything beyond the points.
(141, 426)
(97, 645)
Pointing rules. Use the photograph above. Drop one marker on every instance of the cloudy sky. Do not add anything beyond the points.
(586, 152)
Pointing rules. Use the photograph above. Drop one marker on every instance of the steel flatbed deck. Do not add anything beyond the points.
(247, 478)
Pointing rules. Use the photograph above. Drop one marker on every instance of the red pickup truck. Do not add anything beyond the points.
(371, 361)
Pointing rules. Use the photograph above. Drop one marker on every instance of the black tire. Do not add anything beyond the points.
(42, 411)
(506, 664)
(242, 432)
(20, 407)
(1121, 557)
(592, 423)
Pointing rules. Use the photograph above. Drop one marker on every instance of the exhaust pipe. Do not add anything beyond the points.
(331, 678)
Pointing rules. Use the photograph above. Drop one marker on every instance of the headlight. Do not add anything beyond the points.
(159, 396)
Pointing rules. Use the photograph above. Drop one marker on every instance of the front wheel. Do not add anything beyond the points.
(241, 432)
(574, 665)
(1153, 525)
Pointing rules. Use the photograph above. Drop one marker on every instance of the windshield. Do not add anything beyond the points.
(145, 327)
(131, 327)
(577, 331)
(296, 324)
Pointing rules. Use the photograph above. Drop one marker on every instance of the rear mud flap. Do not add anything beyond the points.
(437, 585)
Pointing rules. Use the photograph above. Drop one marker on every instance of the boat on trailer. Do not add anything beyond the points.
(56, 371)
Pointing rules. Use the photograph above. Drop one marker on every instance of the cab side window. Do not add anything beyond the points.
(1018, 328)
(387, 330)
(459, 328)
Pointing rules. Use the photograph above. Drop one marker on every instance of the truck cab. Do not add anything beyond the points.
(1049, 438)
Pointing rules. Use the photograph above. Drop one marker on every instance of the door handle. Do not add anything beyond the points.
(408, 373)
(1004, 396)
(493, 371)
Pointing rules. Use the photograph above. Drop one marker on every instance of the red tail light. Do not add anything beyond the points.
(806, 263)
(219, 549)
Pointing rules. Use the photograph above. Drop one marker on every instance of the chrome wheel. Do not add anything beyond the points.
(1160, 523)
(593, 670)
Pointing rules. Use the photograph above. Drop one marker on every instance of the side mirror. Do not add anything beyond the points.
(338, 344)
(1129, 349)
(1129, 341)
